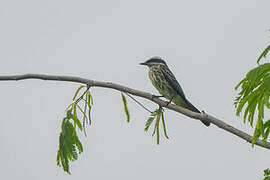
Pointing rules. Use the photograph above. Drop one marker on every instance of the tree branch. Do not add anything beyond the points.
(92, 83)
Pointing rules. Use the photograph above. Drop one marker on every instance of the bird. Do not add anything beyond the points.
(165, 82)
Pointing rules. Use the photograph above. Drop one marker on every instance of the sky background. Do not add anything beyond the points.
(209, 45)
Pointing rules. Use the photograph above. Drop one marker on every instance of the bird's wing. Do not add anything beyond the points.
(173, 82)
(176, 86)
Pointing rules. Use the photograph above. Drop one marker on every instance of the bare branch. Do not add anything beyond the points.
(92, 83)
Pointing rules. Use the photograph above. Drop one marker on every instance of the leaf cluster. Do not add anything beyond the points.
(69, 143)
(266, 174)
(254, 96)
(157, 115)
(87, 100)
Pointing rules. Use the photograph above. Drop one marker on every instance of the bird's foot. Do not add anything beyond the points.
(169, 102)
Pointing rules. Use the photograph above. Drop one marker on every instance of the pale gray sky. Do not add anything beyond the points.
(209, 45)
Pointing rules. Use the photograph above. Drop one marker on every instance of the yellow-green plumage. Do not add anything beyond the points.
(167, 85)
(164, 88)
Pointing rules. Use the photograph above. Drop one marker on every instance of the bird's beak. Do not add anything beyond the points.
(143, 64)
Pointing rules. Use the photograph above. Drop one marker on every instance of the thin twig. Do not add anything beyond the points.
(84, 117)
(138, 103)
(79, 99)
(87, 88)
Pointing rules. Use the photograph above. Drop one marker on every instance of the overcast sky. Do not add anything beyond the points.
(209, 45)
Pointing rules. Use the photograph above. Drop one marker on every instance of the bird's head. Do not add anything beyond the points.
(154, 61)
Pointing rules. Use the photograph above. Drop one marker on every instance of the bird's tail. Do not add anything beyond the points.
(193, 108)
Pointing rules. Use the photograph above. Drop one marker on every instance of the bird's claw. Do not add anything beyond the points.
(169, 102)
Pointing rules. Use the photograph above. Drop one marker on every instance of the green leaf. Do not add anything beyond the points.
(84, 115)
(257, 132)
(266, 124)
(251, 108)
(241, 82)
(69, 114)
(78, 143)
(148, 123)
(89, 116)
(77, 121)
(77, 91)
(151, 119)
(266, 100)
(241, 104)
(156, 115)
(89, 99)
(58, 158)
(264, 53)
(125, 107)
(75, 113)
(157, 127)
(164, 126)
(267, 133)
(267, 174)
(260, 117)
(63, 154)
(69, 143)
(253, 97)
